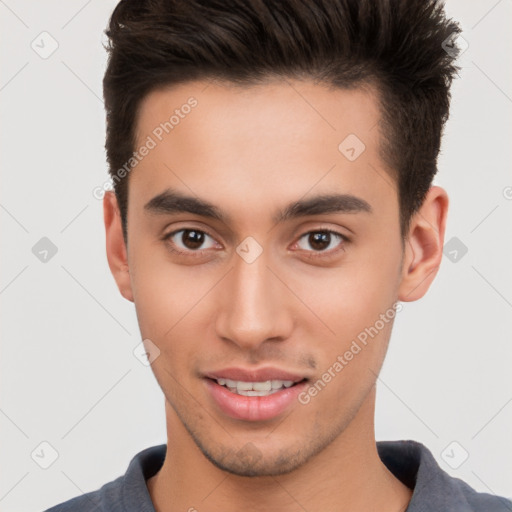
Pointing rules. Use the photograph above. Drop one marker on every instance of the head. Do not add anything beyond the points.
(265, 127)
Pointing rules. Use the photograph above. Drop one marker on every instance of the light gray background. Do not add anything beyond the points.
(68, 374)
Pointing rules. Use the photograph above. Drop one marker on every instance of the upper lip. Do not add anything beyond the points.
(261, 375)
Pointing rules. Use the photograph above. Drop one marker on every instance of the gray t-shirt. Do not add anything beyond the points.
(410, 461)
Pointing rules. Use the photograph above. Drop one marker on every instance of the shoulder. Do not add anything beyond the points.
(433, 488)
(105, 499)
(475, 501)
(126, 493)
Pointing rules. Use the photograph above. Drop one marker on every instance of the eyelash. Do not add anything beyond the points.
(312, 254)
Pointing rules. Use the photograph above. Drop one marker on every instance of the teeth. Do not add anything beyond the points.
(246, 386)
(264, 388)
(259, 386)
(252, 392)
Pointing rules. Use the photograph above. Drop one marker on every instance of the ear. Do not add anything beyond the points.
(424, 246)
(116, 248)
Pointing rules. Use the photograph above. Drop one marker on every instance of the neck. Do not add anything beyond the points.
(347, 475)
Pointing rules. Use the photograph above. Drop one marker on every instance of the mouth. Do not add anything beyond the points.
(261, 388)
(254, 396)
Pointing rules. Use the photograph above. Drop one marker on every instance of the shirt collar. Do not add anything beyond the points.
(410, 461)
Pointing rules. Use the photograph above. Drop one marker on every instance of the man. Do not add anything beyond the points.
(273, 164)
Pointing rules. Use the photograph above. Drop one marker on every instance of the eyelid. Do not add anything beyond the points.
(167, 238)
(322, 229)
(325, 254)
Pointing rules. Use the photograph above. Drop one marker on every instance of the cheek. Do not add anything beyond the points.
(163, 292)
(340, 302)
(170, 302)
(350, 297)
(354, 311)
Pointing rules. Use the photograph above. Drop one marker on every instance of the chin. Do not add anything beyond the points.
(249, 460)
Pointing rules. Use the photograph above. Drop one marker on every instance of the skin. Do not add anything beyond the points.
(250, 151)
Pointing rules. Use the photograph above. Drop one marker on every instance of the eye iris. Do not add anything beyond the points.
(192, 239)
(320, 240)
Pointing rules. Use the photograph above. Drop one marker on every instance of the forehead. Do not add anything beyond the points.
(262, 142)
(306, 109)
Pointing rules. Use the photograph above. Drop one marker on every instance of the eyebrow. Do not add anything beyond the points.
(172, 201)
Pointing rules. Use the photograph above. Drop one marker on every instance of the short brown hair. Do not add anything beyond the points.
(397, 45)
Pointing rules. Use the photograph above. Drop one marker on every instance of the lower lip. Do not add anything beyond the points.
(253, 408)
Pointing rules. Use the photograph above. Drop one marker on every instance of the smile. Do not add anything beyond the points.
(253, 401)
(263, 388)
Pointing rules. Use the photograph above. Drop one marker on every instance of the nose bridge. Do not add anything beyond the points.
(252, 308)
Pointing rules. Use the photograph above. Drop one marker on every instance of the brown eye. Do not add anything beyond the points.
(192, 239)
(319, 241)
(189, 241)
(322, 240)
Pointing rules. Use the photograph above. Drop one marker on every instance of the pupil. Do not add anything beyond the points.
(320, 240)
(192, 239)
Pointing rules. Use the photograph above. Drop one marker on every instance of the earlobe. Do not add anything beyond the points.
(424, 246)
(115, 245)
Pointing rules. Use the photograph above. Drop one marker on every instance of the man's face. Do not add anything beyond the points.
(254, 292)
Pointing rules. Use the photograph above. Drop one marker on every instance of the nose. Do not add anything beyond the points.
(254, 305)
